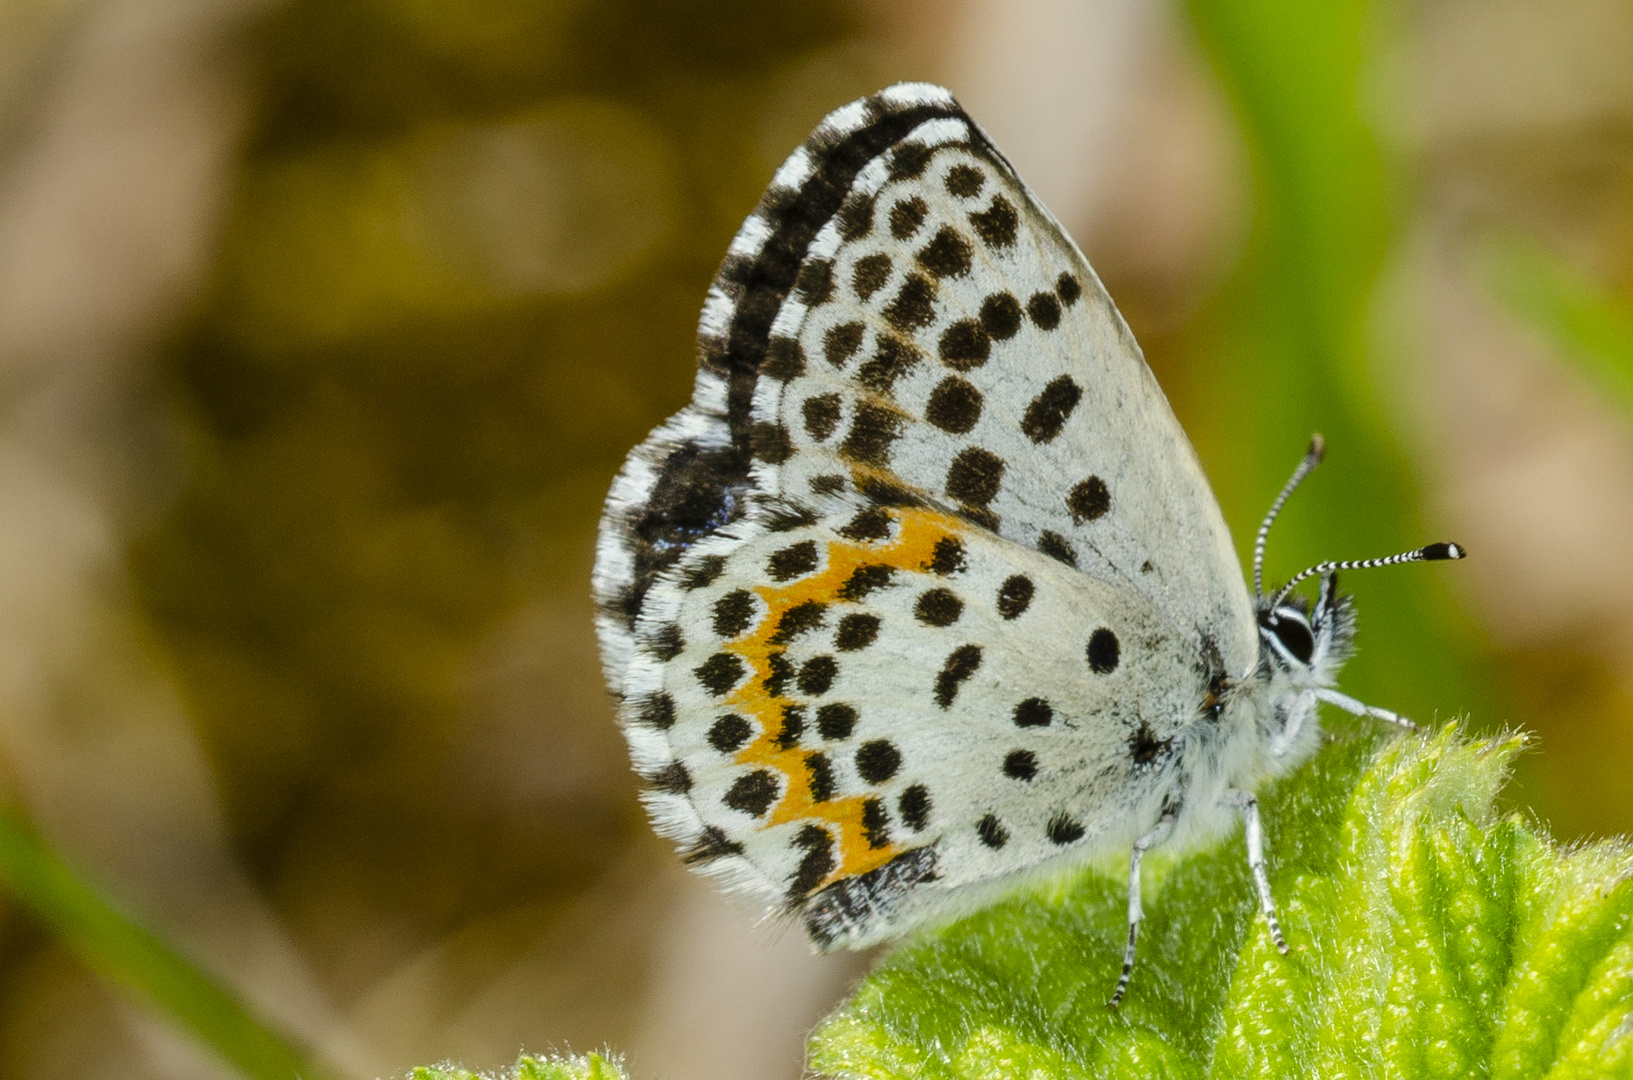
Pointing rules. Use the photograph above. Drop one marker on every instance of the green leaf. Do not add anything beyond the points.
(121, 949)
(572, 1067)
(1430, 938)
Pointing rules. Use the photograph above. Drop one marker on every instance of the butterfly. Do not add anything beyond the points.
(925, 591)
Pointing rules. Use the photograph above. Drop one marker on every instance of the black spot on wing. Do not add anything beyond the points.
(666, 642)
(673, 778)
(872, 523)
(1064, 829)
(799, 619)
(1001, 316)
(1034, 712)
(709, 845)
(906, 216)
(828, 484)
(1049, 411)
(816, 675)
(878, 760)
(1068, 289)
(964, 181)
(815, 284)
(840, 343)
(914, 807)
(821, 774)
(821, 414)
(1089, 499)
(873, 429)
(1014, 596)
(836, 721)
(864, 580)
(781, 517)
(784, 360)
(657, 711)
(913, 306)
(975, 476)
(909, 159)
(856, 632)
(938, 607)
(733, 613)
(817, 863)
(869, 275)
(855, 217)
(892, 358)
(779, 673)
(793, 726)
(1021, 765)
(704, 573)
(964, 345)
(720, 673)
(771, 443)
(1103, 651)
(875, 823)
(730, 733)
(997, 224)
(1044, 310)
(992, 831)
(947, 255)
(1057, 547)
(752, 793)
(1144, 747)
(792, 561)
(961, 663)
(947, 557)
(954, 405)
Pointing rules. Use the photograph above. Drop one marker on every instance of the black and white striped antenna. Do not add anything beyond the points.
(1426, 553)
(1312, 458)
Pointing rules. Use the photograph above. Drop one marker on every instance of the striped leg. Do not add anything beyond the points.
(1249, 807)
(1356, 708)
(1157, 835)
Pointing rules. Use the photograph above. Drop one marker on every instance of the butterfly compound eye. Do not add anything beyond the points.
(1293, 632)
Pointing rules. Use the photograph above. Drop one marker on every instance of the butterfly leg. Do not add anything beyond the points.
(1296, 713)
(1157, 835)
(1245, 802)
(1356, 708)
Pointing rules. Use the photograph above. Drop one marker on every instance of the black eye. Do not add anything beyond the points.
(1293, 633)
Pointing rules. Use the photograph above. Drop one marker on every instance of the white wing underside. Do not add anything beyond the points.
(946, 357)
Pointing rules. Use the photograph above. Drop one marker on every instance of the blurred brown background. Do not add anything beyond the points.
(324, 325)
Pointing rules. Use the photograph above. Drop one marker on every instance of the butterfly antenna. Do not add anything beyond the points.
(1312, 458)
(1427, 553)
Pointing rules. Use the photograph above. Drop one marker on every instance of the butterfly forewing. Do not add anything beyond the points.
(946, 337)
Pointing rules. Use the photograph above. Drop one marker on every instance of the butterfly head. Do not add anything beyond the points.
(1309, 643)
(1306, 642)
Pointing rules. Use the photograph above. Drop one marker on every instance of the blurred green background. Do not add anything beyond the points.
(325, 325)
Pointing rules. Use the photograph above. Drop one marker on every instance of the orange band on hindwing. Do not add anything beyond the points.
(912, 549)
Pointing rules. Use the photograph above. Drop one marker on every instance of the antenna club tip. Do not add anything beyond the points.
(1318, 447)
(1436, 552)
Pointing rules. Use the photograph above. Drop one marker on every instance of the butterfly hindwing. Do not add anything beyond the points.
(830, 708)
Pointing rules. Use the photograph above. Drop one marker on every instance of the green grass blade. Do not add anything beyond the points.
(117, 947)
(1575, 314)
